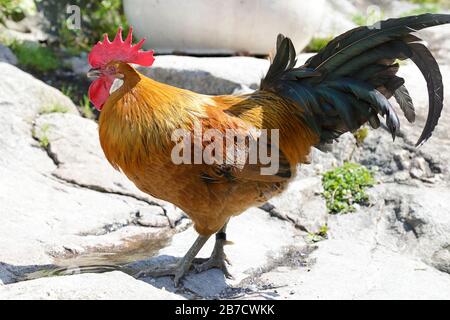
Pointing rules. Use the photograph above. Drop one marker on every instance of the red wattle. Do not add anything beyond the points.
(99, 91)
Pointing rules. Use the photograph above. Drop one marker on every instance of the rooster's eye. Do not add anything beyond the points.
(111, 69)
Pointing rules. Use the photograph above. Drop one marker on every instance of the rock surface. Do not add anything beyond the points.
(113, 285)
(64, 210)
(6, 55)
(213, 76)
(59, 196)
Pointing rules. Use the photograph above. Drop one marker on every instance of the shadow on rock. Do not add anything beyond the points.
(208, 284)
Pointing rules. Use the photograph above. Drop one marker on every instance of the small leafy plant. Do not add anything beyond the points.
(55, 108)
(34, 56)
(425, 7)
(320, 235)
(97, 18)
(346, 186)
(86, 108)
(44, 141)
(12, 9)
(361, 135)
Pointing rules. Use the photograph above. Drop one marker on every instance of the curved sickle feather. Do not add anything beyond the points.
(425, 61)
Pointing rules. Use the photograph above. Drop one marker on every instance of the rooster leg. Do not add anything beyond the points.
(179, 269)
(218, 258)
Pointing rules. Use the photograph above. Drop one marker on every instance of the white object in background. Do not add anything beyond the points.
(223, 26)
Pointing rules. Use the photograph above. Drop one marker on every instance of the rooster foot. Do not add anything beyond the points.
(217, 260)
(178, 271)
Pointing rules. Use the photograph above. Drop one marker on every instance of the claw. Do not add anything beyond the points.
(178, 271)
(216, 261)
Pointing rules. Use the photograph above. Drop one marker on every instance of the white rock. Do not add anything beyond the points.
(107, 286)
(352, 270)
(337, 19)
(152, 216)
(256, 239)
(209, 75)
(223, 26)
(301, 203)
(46, 212)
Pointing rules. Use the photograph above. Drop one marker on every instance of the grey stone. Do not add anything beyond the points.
(354, 270)
(46, 212)
(441, 259)
(6, 55)
(213, 76)
(337, 19)
(80, 160)
(438, 40)
(246, 255)
(302, 204)
(107, 286)
(152, 216)
(79, 64)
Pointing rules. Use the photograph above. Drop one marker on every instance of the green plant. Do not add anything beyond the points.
(425, 7)
(33, 56)
(68, 90)
(86, 109)
(425, 1)
(55, 108)
(317, 44)
(369, 18)
(359, 19)
(346, 186)
(320, 235)
(11, 9)
(361, 135)
(44, 141)
(97, 18)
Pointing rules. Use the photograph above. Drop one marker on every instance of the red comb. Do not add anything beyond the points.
(119, 50)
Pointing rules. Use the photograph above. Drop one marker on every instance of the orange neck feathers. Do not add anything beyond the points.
(138, 119)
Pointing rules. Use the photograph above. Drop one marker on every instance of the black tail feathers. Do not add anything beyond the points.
(349, 82)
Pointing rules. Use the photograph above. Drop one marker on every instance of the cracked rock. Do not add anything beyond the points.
(152, 216)
(112, 285)
(73, 199)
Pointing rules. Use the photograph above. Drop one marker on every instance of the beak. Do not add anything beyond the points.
(93, 73)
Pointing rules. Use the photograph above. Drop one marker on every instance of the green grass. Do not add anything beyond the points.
(55, 108)
(35, 57)
(44, 141)
(361, 135)
(86, 109)
(368, 18)
(359, 19)
(431, 7)
(320, 235)
(68, 90)
(317, 44)
(97, 18)
(11, 9)
(426, 1)
(346, 186)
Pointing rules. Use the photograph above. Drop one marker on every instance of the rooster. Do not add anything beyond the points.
(346, 85)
